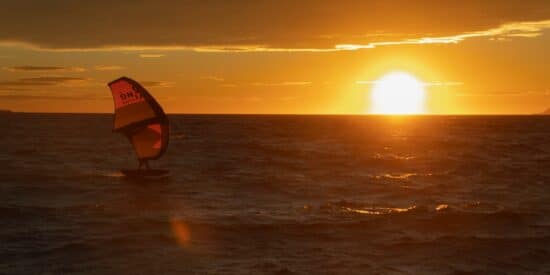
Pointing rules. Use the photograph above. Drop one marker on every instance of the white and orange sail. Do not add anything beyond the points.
(140, 118)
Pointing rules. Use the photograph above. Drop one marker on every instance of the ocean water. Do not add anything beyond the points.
(278, 195)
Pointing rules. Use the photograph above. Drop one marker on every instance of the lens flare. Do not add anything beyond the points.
(181, 232)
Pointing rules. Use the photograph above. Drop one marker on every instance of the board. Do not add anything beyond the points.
(144, 173)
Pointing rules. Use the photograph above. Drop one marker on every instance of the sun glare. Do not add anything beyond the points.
(397, 93)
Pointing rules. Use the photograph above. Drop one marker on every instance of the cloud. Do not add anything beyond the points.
(213, 78)
(148, 55)
(43, 69)
(286, 83)
(288, 98)
(108, 68)
(243, 26)
(448, 83)
(12, 96)
(161, 84)
(521, 29)
(433, 83)
(228, 85)
(52, 80)
(255, 48)
(366, 82)
(512, 93)
(29, 83)
(267, 84)
(13, 89)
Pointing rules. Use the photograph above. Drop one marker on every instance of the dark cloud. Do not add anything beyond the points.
(43, 69)
(52, 79)
(40, 81)
(276, 24)
(50, 97)
(33, 68)
(108, 68)
(155, 55)
(13, 89)
(164, 84)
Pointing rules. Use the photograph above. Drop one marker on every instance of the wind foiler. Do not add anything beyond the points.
(140, 118)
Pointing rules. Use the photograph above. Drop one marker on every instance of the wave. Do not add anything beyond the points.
(112, 174)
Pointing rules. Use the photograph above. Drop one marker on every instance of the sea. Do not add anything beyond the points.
(278, 194)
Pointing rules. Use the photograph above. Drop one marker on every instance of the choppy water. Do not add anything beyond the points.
(278, 195)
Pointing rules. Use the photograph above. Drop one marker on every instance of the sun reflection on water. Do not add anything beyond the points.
(379, 210)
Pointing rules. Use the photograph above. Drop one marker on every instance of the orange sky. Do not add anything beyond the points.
(275, 56)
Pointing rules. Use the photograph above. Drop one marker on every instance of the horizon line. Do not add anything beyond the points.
(295, 114)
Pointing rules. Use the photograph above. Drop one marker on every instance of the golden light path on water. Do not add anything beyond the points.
(379, 210)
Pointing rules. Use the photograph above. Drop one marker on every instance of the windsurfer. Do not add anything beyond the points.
(140, 118)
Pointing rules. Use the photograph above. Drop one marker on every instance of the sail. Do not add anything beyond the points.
(139, 117)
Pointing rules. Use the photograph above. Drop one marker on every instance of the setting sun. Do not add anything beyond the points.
(397, 93)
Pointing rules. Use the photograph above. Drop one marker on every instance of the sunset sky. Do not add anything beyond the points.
(314, 57)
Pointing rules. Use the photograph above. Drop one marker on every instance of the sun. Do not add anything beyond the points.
(397, 93)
